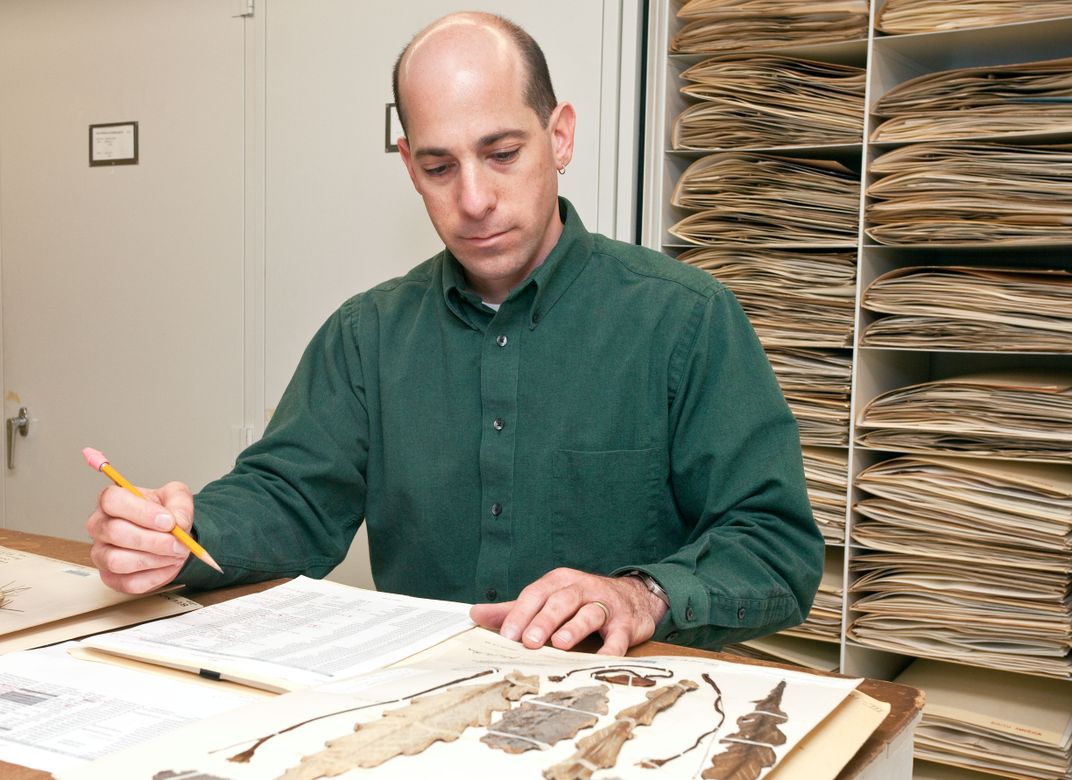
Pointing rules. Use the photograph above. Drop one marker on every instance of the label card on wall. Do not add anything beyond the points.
(115, 143)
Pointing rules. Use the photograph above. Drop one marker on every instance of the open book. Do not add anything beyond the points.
(301, 633)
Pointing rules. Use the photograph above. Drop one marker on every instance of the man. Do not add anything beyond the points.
(583, 434)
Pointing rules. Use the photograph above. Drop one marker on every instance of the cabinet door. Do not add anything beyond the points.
(341, 214)
(122, 286)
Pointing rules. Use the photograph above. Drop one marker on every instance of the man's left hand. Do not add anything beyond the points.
(566, 605)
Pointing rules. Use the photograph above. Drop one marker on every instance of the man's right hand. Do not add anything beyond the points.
(132, 545)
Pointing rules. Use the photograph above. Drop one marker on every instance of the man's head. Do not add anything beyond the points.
(539, 93)
(483, 145)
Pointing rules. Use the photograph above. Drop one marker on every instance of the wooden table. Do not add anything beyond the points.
(886, 754)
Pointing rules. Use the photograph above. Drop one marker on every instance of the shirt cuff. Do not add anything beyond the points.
(693, 606)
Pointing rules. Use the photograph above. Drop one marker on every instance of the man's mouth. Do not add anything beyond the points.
(486, 238)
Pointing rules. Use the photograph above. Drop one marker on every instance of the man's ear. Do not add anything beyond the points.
(407, 160)
(561, 127)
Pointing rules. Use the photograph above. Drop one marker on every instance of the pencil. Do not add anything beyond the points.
(98, 462)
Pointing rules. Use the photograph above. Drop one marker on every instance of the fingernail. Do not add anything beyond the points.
(164, 522)
(178, 548)
(563, 637)
(535, 637)
(511, 633)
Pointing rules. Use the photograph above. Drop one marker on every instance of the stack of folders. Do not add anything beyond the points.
(996, 722)
(725, 25)
(978, 102)
(968, 560)
(44, 601)
(815, 383)
(1011, 414)
(956, 307)
(971, 194)
(824, 619)
(765, 199)
(924, 16)
(791, 298)
(784, 649)
(756, 100)
(929, 770)
(826, 471)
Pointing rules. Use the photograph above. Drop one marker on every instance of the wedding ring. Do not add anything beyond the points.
(606, 611)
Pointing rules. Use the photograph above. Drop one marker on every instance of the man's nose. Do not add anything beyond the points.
(476, 196)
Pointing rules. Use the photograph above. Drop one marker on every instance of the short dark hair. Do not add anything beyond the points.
(539, 94)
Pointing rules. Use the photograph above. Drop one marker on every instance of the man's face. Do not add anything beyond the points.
(484, 165)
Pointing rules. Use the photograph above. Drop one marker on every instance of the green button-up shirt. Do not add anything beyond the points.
(616, 412)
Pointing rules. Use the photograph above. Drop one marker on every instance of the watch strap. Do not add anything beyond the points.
(650, 584)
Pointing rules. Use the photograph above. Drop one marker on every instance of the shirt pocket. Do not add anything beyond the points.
(603, 508)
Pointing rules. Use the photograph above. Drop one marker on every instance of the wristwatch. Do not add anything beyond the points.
(650, 584)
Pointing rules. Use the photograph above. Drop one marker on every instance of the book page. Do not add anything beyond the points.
(57, 712)
(301, 633)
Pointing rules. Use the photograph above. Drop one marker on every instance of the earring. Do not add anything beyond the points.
(562, 170)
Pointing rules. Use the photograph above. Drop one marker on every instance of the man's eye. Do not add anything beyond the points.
(437, 170)
(507, 156)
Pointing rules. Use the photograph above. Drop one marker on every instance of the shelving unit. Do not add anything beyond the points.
(890, 60)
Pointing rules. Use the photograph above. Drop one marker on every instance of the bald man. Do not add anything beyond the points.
(581, 434)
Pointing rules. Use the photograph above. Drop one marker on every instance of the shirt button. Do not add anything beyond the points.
(491, 593)
(740, 613)
(671, 636)
(499, 423)
(501, 341)
(496, 509)
(689, 614)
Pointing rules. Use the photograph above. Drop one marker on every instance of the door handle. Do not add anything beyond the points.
(20, 424)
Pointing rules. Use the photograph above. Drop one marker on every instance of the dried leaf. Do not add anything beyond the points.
(740, 762)
(542, 722)
(411, 729)
(8, 593)
(245, 756)
(655, 763)
(600, 750)
(751, 747)
(637, 677)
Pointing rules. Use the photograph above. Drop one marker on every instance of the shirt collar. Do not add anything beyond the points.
(550, 280)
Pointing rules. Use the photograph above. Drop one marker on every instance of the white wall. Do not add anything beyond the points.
(325, 212)
(122, 286)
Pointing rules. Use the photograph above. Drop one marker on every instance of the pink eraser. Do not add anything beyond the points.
(95, 458)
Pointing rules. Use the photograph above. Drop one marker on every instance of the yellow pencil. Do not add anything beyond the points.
(97, 461)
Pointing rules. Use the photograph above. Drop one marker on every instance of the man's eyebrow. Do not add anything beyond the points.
(431, 152)
(502, 135)
(487, 140)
